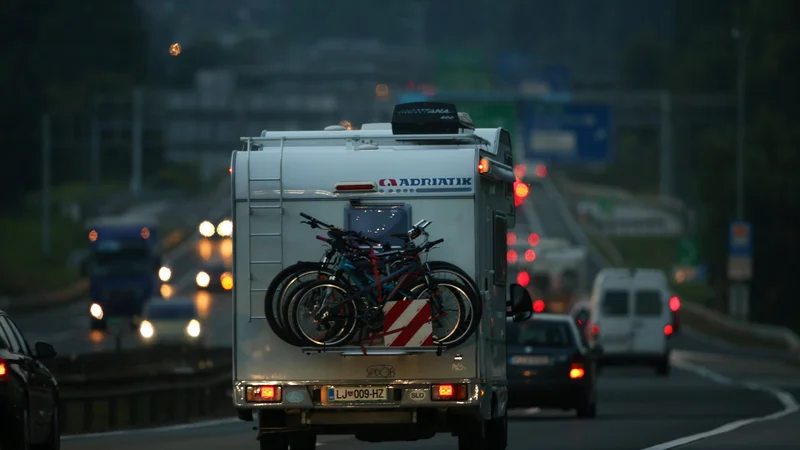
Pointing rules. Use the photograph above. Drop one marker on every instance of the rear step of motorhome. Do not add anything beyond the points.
(250, 208)
(354, 350)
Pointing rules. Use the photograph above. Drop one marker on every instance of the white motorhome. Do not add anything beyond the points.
(429, 163)
(631, 318)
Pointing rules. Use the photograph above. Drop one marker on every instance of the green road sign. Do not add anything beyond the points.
(462, 70)
(687, 251)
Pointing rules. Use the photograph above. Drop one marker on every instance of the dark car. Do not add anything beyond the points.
(550, 365)
(214, 276)
(28, 392)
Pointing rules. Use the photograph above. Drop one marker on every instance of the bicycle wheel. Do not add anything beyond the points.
(338, 326)
(275, 299)
(452, 301)
(447, 271)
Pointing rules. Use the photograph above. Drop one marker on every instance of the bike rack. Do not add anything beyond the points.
(353, 350)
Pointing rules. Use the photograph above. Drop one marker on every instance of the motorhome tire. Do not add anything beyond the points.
(473, 435)
(302, 440)
(347, 325)
(466, 314)
(497, 433)
(276, 307)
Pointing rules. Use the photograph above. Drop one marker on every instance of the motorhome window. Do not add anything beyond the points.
(500, 263)
(380, 222)
(615, 303)
(541, 333)
(648, 304)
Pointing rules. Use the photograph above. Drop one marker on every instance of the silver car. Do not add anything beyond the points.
(173, 321)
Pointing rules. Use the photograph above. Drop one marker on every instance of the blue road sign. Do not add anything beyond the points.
(511, 69)
(567, 133)
(740, 239)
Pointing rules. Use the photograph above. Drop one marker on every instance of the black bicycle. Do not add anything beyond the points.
(346, 267)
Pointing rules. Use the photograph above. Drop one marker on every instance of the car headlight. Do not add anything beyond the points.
(193, 329)
(206, 229)
(146, 329)
(226, 280)
(164, 273)
(225, 228)
(96, 311)
(202, 279)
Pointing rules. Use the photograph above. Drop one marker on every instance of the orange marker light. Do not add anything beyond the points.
(445, 390)
(3, 369)
(145, 233)
(483, 165)
(576, 372)
(266, 392)
(93, 235)
(521, 189)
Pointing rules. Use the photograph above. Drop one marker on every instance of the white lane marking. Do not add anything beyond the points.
(790, 406)
(186, 426)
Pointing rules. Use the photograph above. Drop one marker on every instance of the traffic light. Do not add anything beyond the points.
(521, 191)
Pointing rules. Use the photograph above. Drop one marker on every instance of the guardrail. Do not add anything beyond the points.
(140, 388)
(140, 361)
(92, 406)
(761, 332)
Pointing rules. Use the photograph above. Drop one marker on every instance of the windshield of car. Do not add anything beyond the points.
(541, 333)
(171, 311)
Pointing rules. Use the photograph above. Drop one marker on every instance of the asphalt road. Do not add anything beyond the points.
(67, 328)
(636, 410)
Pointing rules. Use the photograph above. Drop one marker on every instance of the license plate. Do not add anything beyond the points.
(527, 360)
(356, 394)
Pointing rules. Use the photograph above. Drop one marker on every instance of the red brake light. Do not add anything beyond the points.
(448, 392)
(533, 239)
(538, 306)
(595, 329)
(521, 189)
(355, 187)
(541, 171)
(523, 278)
(511, 256)
(3, 370)
(667, 330)
(519, 171)
(511, 238)
(674, 304)
(530, 255)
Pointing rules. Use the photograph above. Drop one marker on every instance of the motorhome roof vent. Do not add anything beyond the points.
(335, 128)
(429, 118)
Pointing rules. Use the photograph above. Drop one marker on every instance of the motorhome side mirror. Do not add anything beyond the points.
(520, 301)
(45, 350)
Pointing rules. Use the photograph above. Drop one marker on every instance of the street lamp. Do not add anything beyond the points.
(741, 69)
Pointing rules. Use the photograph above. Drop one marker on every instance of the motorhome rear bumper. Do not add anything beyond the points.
(400, 395)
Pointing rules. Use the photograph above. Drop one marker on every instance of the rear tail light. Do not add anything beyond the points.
(448, 392)
(668, 330)
(576, 371)
(674, 304)
(3, 370)
(523, 278)
(595, 330)
(538, 306)
(511, 256)
(264, 394)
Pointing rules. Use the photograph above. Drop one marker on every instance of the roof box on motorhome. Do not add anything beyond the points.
(429, 118)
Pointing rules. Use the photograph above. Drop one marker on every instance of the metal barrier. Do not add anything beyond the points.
(97, 406)
(137, 362)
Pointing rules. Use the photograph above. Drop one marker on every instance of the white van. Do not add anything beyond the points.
(631, 318)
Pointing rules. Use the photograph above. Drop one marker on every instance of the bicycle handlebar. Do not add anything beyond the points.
(314, 223)
(324, 239)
